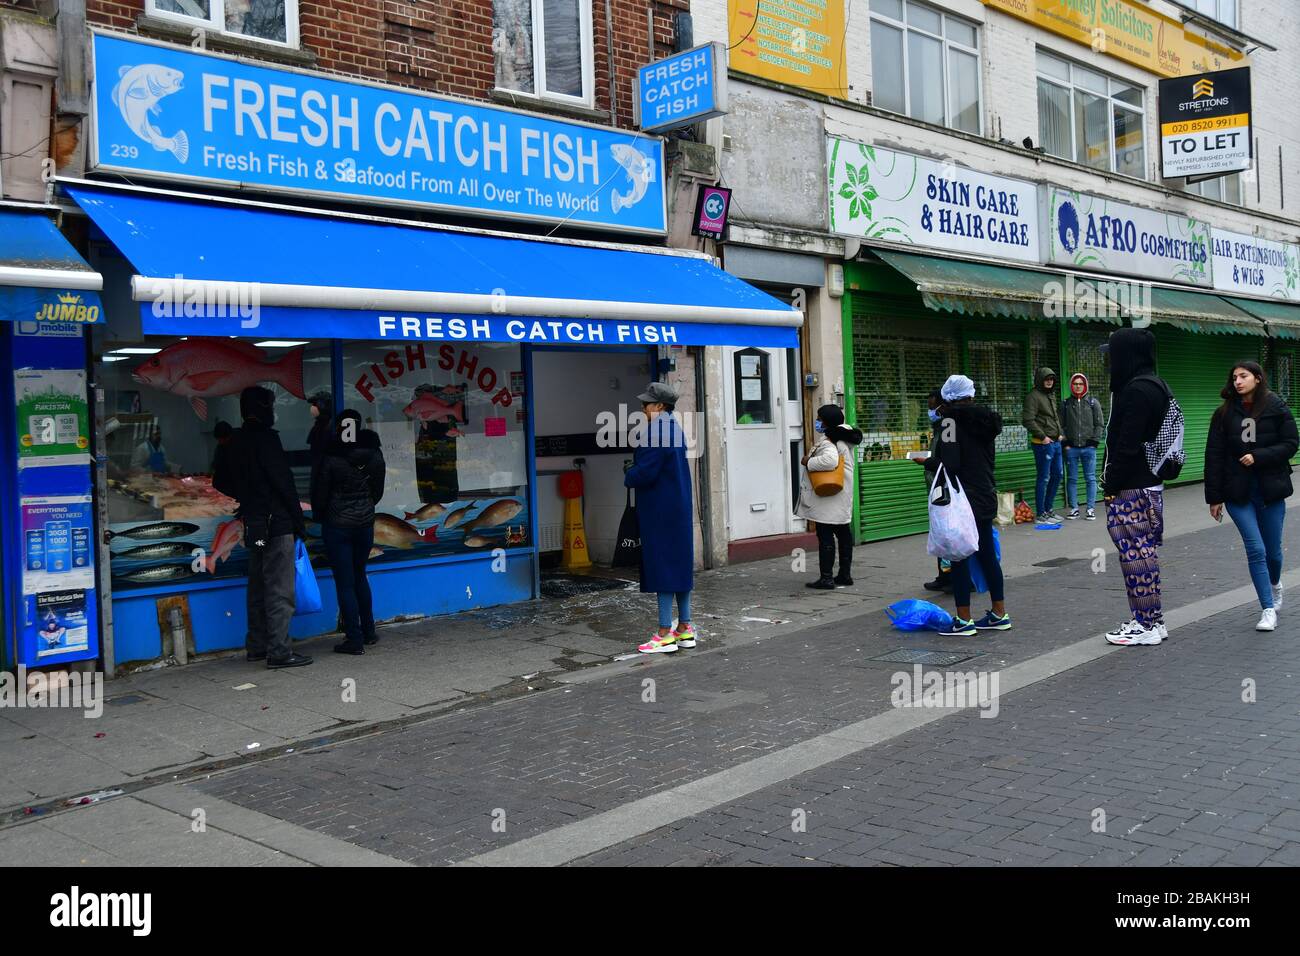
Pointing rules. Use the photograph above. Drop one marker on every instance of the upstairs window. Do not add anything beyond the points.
(1224, 188)
(1225, 11)
(274, 21)
(543, 48)
(1090, 118)
(925, 64)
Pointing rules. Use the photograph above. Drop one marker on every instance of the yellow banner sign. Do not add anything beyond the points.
(797, 42)
(1127, 31)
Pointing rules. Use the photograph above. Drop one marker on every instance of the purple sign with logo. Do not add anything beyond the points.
(711, 211)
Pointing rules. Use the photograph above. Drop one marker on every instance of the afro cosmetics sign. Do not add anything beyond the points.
(1091, 232)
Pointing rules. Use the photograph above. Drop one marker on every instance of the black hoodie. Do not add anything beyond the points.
(970, 456)
(1137, 410)
(253, 469)
(348, 481)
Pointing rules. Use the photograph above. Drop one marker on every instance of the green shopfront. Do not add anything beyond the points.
(1002, 295)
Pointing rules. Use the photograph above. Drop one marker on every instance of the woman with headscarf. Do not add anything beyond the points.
(833, 514)
(966, 452)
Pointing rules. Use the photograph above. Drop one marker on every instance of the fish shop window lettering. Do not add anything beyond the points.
(543, 49)
(925, 64)
(168, 404)
(272, 21)
(1090, 118)
(451, 418)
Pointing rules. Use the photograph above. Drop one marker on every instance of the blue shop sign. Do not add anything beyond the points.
(684, 88)
(173, 113)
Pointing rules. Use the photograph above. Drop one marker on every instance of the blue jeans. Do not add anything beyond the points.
(348, 549)
(1073, 458)
(1047, 458)
(1261, 532)
(666, 608)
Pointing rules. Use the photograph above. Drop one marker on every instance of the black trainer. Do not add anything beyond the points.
(293, 660)
(822, 584)
(372, 640)
(256, 655)
(347, 647)
(843, 581)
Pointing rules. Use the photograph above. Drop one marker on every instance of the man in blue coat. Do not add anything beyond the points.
(662, 480)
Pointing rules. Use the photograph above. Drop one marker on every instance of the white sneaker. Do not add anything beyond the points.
(1277, 596)
(1132, 632)
(1164, 630)
(1074, 514)
(1267, 620)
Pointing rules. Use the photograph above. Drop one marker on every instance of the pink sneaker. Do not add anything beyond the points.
(659, 644)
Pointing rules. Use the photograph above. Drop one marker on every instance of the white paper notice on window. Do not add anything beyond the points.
(400, 488)
(751, 390)
(749, 366)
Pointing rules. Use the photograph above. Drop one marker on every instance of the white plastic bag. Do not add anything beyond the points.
(953, 533)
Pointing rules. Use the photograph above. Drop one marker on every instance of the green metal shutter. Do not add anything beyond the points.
(1196, 367)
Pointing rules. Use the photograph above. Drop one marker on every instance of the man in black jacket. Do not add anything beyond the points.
(254, 470)
(1134, 495)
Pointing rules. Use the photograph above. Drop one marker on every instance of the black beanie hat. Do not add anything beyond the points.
(831, 415)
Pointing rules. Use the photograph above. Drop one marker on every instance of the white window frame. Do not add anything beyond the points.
(216, 22)
(540, 93)
(1227, 12)
(1112, 83)
(947, 44)
(1198, 189)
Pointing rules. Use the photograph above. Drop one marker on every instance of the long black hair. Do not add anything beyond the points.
(1229, 393)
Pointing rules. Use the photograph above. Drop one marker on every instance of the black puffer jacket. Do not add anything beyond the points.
(1137, 409)
(1275, 444)
(348, 482)
(970, 456)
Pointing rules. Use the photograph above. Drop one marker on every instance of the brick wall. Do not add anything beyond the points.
(445, 46)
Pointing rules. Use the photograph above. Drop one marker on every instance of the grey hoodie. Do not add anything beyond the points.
(1082, 420)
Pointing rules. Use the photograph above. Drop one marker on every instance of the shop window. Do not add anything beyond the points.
(999, 369)
(1090, 118)
(1223, 188)
(452, 420)
(275, 21)
(753, 387)
(543, 48)
(925, 63)
(165, 400)
(1083, 346)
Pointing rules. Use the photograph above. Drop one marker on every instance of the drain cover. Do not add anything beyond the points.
(918, 656)
(125, 699)
(1057, 562)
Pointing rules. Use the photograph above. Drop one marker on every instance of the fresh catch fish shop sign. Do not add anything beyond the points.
(167, 112)
(1092, 232)
(890, 196)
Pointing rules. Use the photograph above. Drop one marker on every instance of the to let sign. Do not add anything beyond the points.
(1205, 124)
(684, 88)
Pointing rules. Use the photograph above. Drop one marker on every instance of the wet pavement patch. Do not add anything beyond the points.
(571, 585)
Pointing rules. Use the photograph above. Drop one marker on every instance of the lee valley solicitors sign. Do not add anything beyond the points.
(1126, 30)
(1090, 232)
(166, 112)
(890, 196)
(1205, 124)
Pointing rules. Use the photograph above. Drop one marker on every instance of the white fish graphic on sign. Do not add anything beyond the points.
(640, 169)
(137, 94)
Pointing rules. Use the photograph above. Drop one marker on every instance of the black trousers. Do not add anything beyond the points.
(988, 559)
(827, 537)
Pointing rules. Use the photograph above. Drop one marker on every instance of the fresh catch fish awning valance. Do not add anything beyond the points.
(42, 278)
(212, 267)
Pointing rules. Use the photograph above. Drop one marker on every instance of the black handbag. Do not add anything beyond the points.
(627, 551)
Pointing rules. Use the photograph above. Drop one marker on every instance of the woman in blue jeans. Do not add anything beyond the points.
(346, 484)
(1248, 456)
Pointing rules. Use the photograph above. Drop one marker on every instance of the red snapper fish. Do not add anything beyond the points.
(223, 542)
(392, 532)
(427, 407)
(209, 368)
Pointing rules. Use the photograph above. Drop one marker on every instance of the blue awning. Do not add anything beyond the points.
(42, 278)
(214, 267)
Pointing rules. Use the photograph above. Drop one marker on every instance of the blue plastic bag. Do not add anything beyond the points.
(306, 590)
(913, 615)
(977, 583)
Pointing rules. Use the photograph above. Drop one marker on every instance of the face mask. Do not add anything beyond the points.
(819, 427)
(934, 416)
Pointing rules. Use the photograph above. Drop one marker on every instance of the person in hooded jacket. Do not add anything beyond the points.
(1042, 420)
(1248, 454)
(1134, 494)
(321, 404)
(1084, 426)
(833, 513)
(253, 469)
(347, 483)
(966, 452)
(943, 579)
